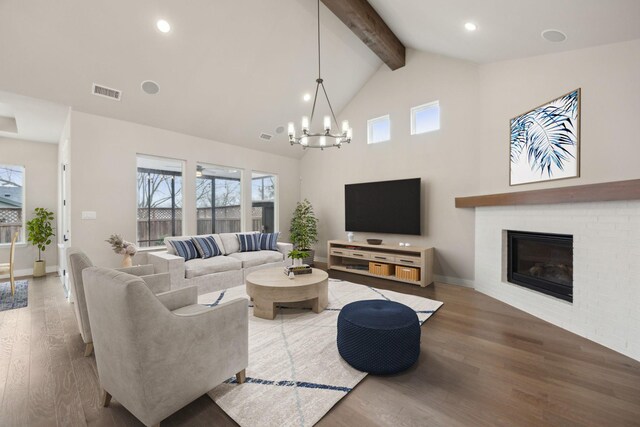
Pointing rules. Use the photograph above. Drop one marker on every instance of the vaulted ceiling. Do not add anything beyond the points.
(230, 70)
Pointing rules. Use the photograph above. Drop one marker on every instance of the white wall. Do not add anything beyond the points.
(605, 234)
(103, 177)
(610, 107)
(470, 154)
(41, 173)
(445, 160)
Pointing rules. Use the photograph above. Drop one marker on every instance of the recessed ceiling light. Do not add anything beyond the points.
(306, 97)
(554, 36)
(163, 26)
(470, 26)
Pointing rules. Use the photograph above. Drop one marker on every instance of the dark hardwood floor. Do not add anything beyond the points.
(482, 363)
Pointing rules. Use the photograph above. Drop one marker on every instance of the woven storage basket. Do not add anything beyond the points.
(380, 268)
(407, 273)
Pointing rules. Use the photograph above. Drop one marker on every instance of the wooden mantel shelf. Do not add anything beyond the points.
(606, 191)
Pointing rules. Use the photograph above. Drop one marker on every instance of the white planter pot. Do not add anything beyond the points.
(39, 268)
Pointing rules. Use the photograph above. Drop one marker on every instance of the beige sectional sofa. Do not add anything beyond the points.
(220, 272)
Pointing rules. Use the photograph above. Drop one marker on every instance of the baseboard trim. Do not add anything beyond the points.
(453, 281)
(29, 272)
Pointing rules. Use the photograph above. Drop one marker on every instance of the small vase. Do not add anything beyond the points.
(126, 261)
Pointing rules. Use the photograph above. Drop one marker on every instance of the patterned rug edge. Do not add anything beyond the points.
(19, 300)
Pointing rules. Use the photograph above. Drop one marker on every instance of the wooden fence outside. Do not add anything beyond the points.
(7, 230)
(227, 221)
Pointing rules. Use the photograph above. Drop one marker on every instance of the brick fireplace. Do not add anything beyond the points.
(605, 270)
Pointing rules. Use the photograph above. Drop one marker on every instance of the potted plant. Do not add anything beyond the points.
(304, 229)
(297, 256)
(39, 234)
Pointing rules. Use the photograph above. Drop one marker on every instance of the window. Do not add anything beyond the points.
(378, 130)
(159, 200)
(263, 200)
(218, 199)
(425, 118)
(11, 203)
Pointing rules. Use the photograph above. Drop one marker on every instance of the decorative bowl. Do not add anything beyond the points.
(374, 241)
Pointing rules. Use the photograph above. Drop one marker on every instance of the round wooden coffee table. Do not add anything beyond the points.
(270, 286)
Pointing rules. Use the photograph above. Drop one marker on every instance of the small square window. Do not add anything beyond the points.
(425, 118)
(378, 130)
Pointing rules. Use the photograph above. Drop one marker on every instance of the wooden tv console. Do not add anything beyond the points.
(354, 257)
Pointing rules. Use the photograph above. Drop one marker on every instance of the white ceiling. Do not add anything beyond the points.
(230, 70)
(36, 120)
(508, 29)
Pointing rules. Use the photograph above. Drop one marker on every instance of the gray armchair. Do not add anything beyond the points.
(78, 261)
(157, 353)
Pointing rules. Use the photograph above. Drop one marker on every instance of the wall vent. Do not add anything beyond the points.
(106, 92)
(265, 136)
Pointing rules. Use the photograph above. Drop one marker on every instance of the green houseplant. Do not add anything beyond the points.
(39, 234)
(304, 230)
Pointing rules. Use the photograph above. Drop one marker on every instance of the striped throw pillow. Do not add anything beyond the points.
(207, 246)
(268, 241)
(184, 248)
(249, 242)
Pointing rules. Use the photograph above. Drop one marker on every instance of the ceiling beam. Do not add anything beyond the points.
(365, 22)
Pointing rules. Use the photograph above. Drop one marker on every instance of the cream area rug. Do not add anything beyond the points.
(295, 373)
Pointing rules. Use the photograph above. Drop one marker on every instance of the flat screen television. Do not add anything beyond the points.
(383, 207)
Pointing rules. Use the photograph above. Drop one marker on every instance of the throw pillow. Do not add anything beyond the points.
(249, 242)
(206, 246)
(184, 248)
(268, 241)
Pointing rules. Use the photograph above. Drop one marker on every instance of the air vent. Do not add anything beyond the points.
(106, 92)
(265, 136)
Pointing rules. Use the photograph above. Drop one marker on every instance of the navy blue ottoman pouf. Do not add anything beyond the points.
(378, 336)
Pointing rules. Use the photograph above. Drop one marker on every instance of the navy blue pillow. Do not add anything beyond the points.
(268, 241)
(184, 248)
(207, 246)
(249, 242)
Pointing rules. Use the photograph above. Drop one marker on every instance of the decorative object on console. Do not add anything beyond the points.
(325, 138)
(374, 241)
(304, 229)
(39, 234)
(545, 141)
(350, 237)
(123, 247)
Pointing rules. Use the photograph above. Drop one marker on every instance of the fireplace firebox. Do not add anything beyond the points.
(541, 262)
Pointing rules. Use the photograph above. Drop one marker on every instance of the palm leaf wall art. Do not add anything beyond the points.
(545, 141)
